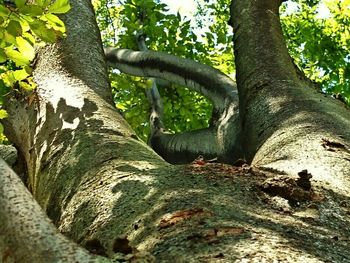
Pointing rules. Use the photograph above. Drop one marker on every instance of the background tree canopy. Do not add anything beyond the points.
(22, 28)
(317, 34)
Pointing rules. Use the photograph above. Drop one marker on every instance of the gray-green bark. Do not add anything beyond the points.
(100, 185)
(287, 126)
(26, 233)
(9, 154)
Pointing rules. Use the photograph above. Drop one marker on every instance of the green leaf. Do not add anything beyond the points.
(40, 29)
(8, 38)
(17, 57)
(20, 3)
(32, 10)
(29, 37)
(27, 86)
(3, 90)
(54, 22)
(1, 133)
(3, 56)
(8, 79)
(4, 11)
(25, 48)
(14, 28)
(60, 7)
(20, 74)
(3, 114)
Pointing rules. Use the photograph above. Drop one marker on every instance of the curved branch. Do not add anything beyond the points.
(210, 82)
(221, 139)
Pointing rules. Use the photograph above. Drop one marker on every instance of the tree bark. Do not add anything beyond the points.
(102, 187)
(287, 126)
(22, 218)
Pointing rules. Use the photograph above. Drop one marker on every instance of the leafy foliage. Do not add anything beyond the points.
(24, 25)
(320, 45)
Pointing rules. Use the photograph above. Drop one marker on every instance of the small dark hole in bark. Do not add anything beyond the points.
(95, 247)
(121, 245)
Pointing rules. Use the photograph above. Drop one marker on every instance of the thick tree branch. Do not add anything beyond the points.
(25, 227)
(204, 79)
(261, 54)
(284, 121)
(8, 153)
(221, 140)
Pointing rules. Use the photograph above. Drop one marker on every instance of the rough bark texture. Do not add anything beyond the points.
(72, 133)
(287, 126)
(26, 234)
(9, 154)
(101, 186)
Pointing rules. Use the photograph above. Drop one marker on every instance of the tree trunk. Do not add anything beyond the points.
(102, 187)
(287, 126)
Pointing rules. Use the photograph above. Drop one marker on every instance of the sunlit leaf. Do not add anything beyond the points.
(17, 57)
(54, 22)
(25, 48)
(27, 86)
(20, 74)
(60, 7)
(3, 114)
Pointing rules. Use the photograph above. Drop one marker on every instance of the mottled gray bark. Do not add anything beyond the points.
(71, 136)
(286, 125)
(26, 233)
(8, 153)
